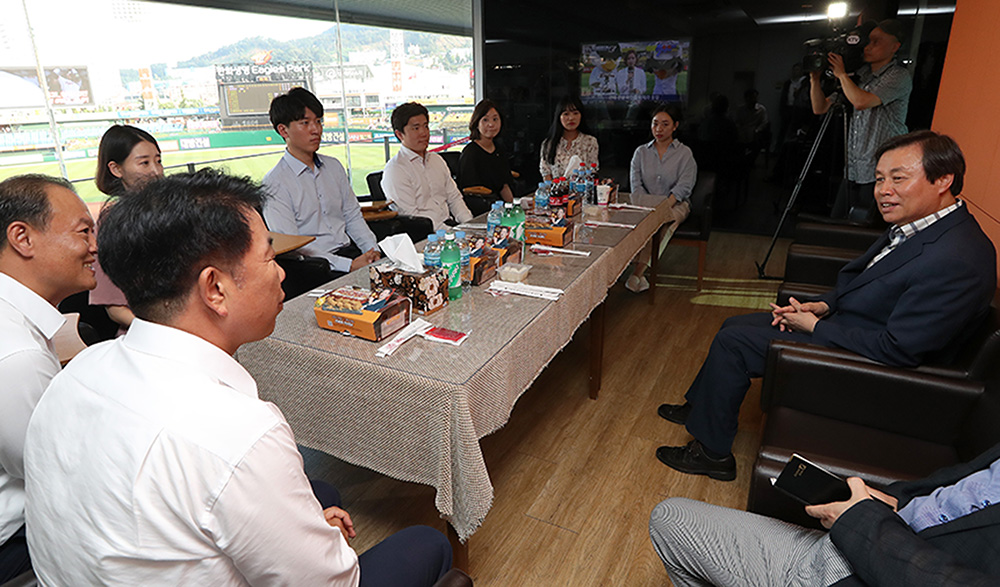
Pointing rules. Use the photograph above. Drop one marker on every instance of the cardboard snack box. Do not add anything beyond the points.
(483, 260)
(428, 290)
(554, 236)
(363, 313)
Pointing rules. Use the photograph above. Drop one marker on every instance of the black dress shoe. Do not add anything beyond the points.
(691, 459)
(678, 414)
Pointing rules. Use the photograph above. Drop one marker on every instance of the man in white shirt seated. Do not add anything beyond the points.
(150, 459)
(311, 194)
(418, 181)
(46, 254)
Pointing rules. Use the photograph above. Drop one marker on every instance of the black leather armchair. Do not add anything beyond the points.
(876, 422)
(881, 423)
(817, 255)
(696, 229)
(454, 578)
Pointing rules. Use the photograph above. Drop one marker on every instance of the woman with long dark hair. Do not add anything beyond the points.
(127, 158)
(566, 138)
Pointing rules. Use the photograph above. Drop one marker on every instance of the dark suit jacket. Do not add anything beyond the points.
(883, 550)
(918, 302)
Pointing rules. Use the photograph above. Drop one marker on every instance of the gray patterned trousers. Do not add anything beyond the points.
(703, 544)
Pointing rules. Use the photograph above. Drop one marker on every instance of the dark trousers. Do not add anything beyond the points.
(14, 556)
(413, 557)
(737, 354)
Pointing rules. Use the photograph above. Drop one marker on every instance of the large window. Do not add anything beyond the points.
(200, 80)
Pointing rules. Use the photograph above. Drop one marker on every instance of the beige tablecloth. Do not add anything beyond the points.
(418, 415)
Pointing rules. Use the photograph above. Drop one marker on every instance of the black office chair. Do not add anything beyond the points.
(95, 325)
(478, 199)
(696, 229)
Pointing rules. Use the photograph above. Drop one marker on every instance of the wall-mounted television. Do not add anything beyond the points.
(634, 71)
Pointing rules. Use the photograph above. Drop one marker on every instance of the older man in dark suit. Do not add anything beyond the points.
(942, 530)
(910, 298)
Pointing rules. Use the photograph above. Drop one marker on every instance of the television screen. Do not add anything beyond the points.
(633, 71)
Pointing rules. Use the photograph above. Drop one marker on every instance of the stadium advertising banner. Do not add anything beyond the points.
(68, 86)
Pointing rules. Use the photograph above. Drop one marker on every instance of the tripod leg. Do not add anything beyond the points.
(795, 191)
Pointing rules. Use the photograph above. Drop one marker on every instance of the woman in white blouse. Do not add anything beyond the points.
(566, 139)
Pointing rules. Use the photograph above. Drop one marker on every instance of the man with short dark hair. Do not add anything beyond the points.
(417, 180)
(880, 98)
(312, 195)
(46, 254)
(150, 459)
(912, 297)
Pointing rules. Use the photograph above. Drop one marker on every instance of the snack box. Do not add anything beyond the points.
(366, 314)
(548, 227)
(483, 260)
(507, 248)
(427, 290)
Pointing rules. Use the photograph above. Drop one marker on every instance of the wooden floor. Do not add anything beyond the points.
(575, 478)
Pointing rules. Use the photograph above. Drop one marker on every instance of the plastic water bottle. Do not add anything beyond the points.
(581, 182)
(542, 196)
(451, 261)
(432, 251)
(463, 247)
(493, 219)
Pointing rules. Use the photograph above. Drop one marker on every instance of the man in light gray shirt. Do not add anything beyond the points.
(311, 194)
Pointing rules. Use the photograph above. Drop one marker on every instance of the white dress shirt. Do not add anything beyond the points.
(28, 361)
(151, 461)
(422, 186)
(316, 202)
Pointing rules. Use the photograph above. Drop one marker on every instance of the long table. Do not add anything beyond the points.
(418, 414)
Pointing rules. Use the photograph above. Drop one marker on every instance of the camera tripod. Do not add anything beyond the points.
(835, 106)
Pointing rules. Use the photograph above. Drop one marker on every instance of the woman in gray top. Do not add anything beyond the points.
(662, 167)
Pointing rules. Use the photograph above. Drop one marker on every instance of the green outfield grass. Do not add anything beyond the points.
(364, 159)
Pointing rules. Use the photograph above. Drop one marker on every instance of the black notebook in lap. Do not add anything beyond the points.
(811, 484)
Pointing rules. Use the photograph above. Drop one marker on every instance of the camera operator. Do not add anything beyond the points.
(880, 98)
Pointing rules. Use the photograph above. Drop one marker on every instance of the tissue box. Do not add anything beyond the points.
(428, 290)
(369, 315)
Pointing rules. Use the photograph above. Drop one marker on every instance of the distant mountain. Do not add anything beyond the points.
(322, 48)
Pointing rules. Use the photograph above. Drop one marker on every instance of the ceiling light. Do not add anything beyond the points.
(836, 10)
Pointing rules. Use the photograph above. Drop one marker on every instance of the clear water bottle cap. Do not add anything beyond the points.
(440, 233)
(432, 237)
(460, 234)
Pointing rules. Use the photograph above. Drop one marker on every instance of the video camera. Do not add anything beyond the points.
(848, 44)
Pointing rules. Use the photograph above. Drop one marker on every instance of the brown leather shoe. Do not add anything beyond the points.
(676, 413)
(691, 459)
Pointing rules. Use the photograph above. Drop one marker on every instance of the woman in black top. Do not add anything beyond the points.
(483, 162)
